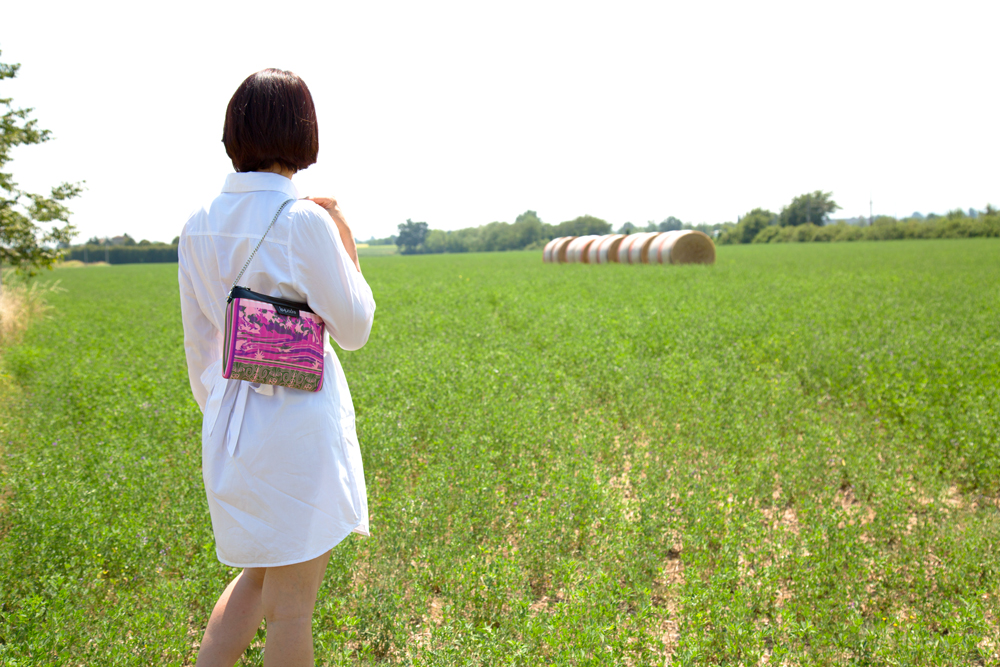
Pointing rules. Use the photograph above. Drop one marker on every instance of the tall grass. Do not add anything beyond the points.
(21, 302)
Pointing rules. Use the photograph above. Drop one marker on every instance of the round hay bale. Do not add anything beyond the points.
(639, 251)
(609, 252)
(656, 247)
(573, 249)
(560, 250)
(594, 250)
(621, 256)
(582, 250)
(632, 241)
(650, 249)
(547, 251)
(686, 246)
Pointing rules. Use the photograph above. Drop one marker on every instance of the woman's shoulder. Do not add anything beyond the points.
(308, 210)
(197, 218)
(309, 219)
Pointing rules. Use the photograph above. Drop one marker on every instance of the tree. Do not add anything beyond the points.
(411, 235)
(24, 242)
(585, 225)
(670, 224)
(811, 207)
(749, 226)
(753, 223)
(527, 229)
(627, 228)
(435, 241)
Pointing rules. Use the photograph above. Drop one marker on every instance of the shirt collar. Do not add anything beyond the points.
(256, 181)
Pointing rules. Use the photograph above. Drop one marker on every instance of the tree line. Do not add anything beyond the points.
(146, 253)
(806, 219)
(527, 232)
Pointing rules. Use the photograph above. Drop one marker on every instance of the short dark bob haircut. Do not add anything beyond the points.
(271, 121)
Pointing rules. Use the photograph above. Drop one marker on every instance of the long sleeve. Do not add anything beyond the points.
(322, 270)
(200, 336)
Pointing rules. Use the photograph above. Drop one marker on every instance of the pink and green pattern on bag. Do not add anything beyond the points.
(263, 345)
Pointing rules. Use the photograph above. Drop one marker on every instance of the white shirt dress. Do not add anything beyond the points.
(282, 467)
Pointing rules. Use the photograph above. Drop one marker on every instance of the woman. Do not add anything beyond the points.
(282, 467)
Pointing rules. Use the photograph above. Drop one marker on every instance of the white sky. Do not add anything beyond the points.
(462, 113)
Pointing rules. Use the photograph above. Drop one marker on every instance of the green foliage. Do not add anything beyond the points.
(767, 235)
(812, 207)
(885, 228)
(585, 225)
(669, 225)
(758, 226)
(749, 226)
(24, 242)
(527, 232)
(788, 455)
(411, 236)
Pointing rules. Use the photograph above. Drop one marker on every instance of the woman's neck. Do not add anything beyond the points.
(278, 169)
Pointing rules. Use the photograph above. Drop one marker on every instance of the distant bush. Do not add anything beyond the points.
(154, 253)
(955, 225)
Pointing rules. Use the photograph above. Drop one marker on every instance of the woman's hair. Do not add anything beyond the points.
(271, 120)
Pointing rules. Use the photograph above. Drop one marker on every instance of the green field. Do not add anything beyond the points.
(377, 251)
(790, 455)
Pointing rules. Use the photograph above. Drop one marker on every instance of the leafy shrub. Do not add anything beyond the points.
(955, 225)
(767, 234)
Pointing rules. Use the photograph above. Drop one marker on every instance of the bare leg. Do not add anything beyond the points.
(289, 597)
(234, 621)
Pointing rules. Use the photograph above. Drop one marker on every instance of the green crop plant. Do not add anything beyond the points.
(790, 455)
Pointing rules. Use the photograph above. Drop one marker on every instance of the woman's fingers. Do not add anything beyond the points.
(331, 207)
(325, 202)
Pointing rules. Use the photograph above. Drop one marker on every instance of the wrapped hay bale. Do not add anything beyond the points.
(572, 249)
(580, 247)
(547, 251)
(632, 241)
(607, 249)
(654, 254)
(559, 251)
(599, 249)
(638, 252)
(594, 250)
(683, 246)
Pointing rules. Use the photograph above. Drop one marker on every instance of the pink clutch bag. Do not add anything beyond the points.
(272, 340)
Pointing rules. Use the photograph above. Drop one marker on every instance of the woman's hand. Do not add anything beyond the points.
(331, 207)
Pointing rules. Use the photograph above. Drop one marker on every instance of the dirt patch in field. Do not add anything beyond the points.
(433, 618)
(989, 645)
(856, 511)
(665, 595)
(545, 604)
